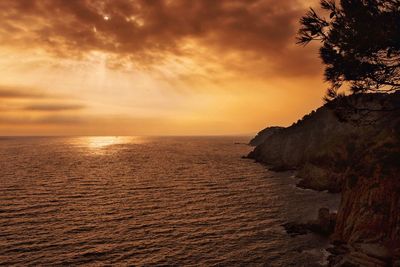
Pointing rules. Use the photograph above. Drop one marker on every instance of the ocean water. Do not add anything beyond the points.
(149, 201)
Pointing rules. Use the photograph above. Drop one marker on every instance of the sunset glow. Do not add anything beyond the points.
(200, 133)
(153, 67)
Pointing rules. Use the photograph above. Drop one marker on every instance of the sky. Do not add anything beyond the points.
(154, 67)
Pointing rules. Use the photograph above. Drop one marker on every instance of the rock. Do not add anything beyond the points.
(318, 178)
(264, 134)
(345, 263)
(321, 146)
(351, 145)
(280, 169)
(239, 143)
(324, 220)
(360, 259)
(338, 250)
(294, 229)
(359, 255)
(307, 146)
(323, 225)
(374, 250)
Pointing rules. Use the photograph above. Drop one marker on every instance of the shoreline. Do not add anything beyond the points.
(358, 161)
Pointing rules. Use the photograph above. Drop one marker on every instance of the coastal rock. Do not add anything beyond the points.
(307, 146)
(352, 146)
(319, 178)
(360, 255)
(294, 229)
(323, 225)
(264, 134)
(326, 220)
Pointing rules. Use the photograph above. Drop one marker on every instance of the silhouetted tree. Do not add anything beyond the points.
(360, 44)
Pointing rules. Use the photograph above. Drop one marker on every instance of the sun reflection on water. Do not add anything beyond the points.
(99, 142)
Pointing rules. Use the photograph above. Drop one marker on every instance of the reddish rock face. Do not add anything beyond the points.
(370, 209)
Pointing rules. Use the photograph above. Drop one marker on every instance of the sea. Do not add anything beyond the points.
(150, 201)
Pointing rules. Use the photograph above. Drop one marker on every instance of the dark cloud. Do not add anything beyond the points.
(146, 31)
(53, 119)
(50, 119)
(10, 99)
(54, 107)
(19, 92)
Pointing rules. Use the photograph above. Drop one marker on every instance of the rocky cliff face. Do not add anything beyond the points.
(308, 146)
(369, 215)
(352, 146)
(264, 134)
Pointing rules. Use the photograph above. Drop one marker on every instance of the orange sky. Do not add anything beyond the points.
(152, 67)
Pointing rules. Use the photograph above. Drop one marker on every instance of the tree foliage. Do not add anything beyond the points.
(360, 44)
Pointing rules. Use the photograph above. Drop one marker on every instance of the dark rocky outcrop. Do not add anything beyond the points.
(323, 225)
(307, 146)
(351, 145)
(264, 134)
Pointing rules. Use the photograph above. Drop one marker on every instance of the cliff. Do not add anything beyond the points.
(308, 146)
(351, 145)
(264, 134)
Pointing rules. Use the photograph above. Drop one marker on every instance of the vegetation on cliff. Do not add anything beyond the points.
(362, 160)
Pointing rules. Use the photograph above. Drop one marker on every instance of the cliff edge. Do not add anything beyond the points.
(351, 145)
(264, 134)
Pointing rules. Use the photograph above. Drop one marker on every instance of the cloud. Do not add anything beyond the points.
(53, 119)
(25, 105)
(148, 32)
(12, 92)
(180, 62)
(54, 107)
(25, 119)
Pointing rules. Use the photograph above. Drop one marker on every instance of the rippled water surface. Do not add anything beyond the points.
(149, 201)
